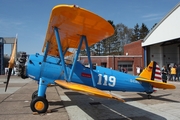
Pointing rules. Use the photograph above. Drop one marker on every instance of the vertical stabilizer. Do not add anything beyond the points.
(151, 72)
(152, 75)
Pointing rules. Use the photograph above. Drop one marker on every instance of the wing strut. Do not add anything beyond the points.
(83, 38)
(75, 59)
(46, 51)
(60, 52)
(90, 63)
(65, 51)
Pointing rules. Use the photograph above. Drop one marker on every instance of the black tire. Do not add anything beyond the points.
(149, 96)
(39, 104)
(35, 94)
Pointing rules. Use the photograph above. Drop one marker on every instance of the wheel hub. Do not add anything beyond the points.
(39, 105)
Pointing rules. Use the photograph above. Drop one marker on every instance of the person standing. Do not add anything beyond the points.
(138, 69)
(164, 74)
(178, 72)
(125, 70)
(173, 73)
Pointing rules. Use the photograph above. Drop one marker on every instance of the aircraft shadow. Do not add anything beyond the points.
(56, 103)
(107, 109)
(157, 97)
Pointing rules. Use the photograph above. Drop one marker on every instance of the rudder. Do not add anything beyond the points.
(151, 72)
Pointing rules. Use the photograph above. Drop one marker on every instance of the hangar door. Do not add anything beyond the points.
(164, 54)
(155, 54)
(127, 65)
(170, 54)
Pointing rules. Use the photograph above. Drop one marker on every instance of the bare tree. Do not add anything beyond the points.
(123, 37)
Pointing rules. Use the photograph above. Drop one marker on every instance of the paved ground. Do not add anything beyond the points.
(69, 105)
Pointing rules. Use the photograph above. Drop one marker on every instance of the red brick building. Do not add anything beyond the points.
(133, 57)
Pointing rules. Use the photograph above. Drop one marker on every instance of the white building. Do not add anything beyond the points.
(162, 44)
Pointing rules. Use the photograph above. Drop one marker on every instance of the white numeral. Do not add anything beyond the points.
(107, 82)
(112, 81)
(100, 79)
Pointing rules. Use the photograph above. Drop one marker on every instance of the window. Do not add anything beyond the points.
(127, 65)
(103, 64)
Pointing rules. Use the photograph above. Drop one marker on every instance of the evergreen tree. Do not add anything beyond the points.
(143, 31)
(136, 33)
(154, 26)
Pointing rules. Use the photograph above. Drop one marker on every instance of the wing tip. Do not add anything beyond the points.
(117, 98)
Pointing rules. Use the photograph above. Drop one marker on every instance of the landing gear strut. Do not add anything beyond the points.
(35, 94)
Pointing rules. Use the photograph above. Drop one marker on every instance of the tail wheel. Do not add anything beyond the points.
(39, 104)
(35, 94)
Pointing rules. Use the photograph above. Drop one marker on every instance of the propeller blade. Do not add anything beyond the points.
(11, 64)
(8, 77)
(13, 55)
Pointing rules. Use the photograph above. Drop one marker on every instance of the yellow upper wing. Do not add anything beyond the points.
(73, 22)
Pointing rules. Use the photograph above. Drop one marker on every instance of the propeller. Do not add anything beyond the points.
(11, 64)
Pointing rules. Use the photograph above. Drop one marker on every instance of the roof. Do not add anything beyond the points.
(167, 29)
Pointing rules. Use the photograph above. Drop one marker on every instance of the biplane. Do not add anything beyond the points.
(71, 27)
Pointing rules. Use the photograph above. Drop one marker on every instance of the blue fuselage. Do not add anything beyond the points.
(104, 78)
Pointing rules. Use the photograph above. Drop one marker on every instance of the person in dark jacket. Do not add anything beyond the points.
(164, 74)
(178, 72)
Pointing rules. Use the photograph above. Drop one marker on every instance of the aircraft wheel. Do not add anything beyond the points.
(35, 94)
(39, 104)
(149, 96)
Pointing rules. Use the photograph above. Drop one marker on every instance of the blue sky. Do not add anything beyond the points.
(29, 18)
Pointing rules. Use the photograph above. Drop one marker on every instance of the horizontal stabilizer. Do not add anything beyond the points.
(86, 89)
(157, 84)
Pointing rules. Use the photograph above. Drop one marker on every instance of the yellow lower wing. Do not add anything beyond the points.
(86, 89)
(157, 84)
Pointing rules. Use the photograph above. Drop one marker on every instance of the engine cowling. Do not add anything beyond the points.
(21, 65)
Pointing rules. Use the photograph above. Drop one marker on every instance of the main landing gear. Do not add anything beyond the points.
(149, 95)
(39, 104)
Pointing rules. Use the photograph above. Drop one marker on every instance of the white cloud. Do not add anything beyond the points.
(11, 27)
(7, 23)
(153, 19)
(150, 15)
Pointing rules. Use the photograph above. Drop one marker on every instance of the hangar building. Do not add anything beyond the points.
(5, 40)
(162, 44)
